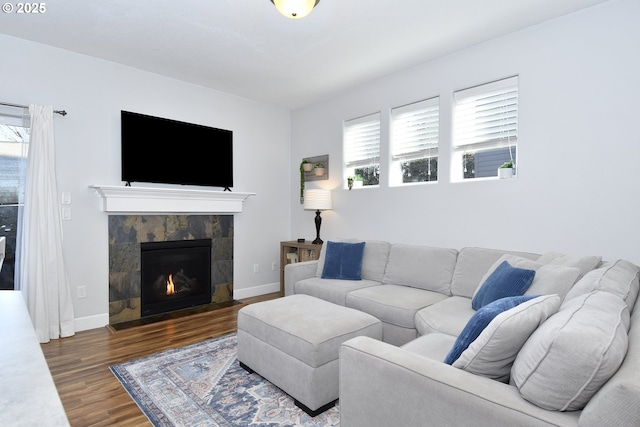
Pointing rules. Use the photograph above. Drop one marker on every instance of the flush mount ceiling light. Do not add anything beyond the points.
(295, 9)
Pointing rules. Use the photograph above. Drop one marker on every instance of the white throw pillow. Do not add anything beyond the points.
(493, 352)
(584, 263)
(549, 278)
(571, 355)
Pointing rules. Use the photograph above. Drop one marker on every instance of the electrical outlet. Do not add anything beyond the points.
(256, 268)
(274, 266)
(82, 291)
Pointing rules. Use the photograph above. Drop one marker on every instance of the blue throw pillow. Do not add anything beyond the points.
(479, 321)
(343, 261)
(505, 281)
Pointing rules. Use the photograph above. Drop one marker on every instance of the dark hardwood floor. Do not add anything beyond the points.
(91, 395)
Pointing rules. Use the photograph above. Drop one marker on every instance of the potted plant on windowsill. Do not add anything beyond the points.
(506, 170)
(350, 180)
(318, 169)
(355, 181)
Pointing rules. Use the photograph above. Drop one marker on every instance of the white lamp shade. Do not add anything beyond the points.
(317, 200)
(295, 9)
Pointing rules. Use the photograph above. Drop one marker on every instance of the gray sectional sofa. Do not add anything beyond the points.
(568, 357)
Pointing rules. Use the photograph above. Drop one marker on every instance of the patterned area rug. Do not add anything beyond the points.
(203, 385)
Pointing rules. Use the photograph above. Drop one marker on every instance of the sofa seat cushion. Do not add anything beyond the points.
(448, 316)
(393, 304)
(331, 290)
(571, 355)
(421, 267)
(374, 258)
(472, 265)
(618, 277)
(435, 346)
(493, 352)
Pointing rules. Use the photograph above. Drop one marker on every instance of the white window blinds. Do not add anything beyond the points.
(12, 116)
(486, 116)
(415, 130)
(362, 141)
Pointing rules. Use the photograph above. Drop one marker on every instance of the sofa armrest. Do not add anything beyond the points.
(383, 385)
(296, 272)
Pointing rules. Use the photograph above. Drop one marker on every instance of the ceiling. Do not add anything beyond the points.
(246, 48)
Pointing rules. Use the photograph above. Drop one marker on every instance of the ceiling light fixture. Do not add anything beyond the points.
(295, 9)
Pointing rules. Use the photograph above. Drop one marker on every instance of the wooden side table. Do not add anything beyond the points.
(294, 251)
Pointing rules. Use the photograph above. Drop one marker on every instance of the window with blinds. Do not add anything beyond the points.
(485, 129)
(414, 142)
(14, 144)
(362, 149)
(14, 148)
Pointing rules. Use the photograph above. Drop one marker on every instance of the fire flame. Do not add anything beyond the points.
(170, 287)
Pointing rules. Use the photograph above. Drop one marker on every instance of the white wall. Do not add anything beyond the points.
(88, 152)
(578, 189)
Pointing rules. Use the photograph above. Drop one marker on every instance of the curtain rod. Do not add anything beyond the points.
(61, 112)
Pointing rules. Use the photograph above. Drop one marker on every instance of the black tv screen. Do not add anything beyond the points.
(159, 150)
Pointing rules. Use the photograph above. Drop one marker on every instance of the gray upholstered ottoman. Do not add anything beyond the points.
(293, 342)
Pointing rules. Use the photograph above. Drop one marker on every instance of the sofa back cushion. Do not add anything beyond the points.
(584, 263)
(374, 258)
(571, 355)
(618, 277)
(621, 394)
(473, 264)
(421, 267)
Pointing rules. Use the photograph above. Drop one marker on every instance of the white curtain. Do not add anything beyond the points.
(43, 277)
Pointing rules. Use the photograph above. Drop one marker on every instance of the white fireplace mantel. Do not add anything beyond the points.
(121, 199)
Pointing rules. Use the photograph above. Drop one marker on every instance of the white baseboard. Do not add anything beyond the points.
(255, 291)
(91, 322)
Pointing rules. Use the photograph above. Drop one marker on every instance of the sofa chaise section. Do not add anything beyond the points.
(409, 389)
(590, 334)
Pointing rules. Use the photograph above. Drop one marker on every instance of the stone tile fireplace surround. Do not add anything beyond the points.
(127, 232)
(142, 214)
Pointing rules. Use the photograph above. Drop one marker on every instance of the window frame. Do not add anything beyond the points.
(361, 144)
(414, 135)
(485, 118)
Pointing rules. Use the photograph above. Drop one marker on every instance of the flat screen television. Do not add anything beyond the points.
(159, 150)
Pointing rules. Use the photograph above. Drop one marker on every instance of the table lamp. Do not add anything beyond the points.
(317, 200)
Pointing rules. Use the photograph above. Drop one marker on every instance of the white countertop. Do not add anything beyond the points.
(28, 396)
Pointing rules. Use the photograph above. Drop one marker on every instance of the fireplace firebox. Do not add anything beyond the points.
(175, 275)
